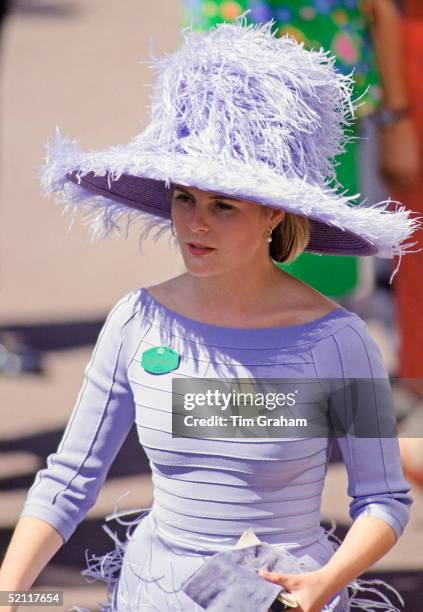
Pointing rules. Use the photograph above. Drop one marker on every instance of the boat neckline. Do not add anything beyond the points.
(300, 328)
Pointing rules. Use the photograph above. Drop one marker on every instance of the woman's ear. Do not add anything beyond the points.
(273, 215)
(276, 216)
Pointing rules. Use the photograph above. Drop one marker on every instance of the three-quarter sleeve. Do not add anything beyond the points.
(64, 490)
(376, 480)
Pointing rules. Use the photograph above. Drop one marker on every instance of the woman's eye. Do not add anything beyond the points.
(224, 206)
(186, 198)
(183, 198)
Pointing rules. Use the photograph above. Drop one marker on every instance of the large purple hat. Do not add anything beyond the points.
(239, 111)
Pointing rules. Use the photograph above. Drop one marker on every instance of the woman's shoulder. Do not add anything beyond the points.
(125, 308)
(169, 292)
(353, 347)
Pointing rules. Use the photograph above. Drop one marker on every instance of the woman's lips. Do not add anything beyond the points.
(199, 250)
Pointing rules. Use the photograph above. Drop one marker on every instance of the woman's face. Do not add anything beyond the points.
(217, 232)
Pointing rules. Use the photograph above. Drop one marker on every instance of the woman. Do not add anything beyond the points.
(236, 158)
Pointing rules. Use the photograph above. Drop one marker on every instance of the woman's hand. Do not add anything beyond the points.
(399, 155)
(307, 587)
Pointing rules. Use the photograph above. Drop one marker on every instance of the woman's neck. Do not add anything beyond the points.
(241, 292)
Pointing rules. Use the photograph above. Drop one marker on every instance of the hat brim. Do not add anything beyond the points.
(123, 179)
(153, 197)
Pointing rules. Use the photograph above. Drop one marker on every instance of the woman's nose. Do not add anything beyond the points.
(198, 221)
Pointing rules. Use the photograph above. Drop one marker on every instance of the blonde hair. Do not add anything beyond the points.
(289, 238)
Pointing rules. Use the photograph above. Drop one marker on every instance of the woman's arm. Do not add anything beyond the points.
(64, 491)
(33, 544)
(387, 42)
(368, 539)
(380, 499)
(398, 150)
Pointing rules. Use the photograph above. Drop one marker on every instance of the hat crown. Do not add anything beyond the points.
(240, 93)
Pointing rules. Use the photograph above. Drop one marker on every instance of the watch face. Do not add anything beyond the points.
(386, 117)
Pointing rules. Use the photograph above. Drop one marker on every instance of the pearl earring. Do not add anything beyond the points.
(269, 236)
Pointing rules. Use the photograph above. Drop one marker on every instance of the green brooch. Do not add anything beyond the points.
(160, 359)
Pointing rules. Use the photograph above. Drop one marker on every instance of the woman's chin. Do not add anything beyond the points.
(198, 267)
(200, 271)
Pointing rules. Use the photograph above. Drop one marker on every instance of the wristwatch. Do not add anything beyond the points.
(385, 117)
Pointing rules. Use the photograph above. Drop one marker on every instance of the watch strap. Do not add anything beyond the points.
(385, 117)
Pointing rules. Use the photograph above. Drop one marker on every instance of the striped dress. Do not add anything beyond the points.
(207, 492)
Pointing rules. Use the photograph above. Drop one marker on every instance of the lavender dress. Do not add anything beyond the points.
(207, 492)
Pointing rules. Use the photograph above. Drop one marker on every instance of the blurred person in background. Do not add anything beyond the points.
(406, 181)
